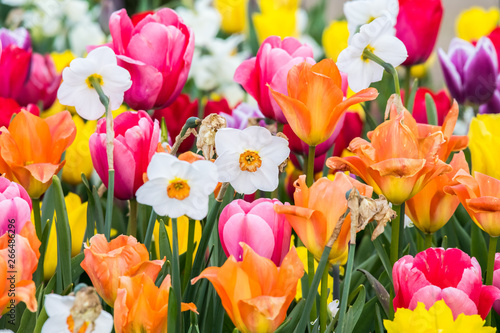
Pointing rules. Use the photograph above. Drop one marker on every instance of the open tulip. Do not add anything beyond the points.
(157, 51)
(397, 162)
(480, 196)
(136, 140)
(31, 149)
(419, 36)
(315, 101)
(255, 293)
(141, 306)
(484, 135)
(106, 262)
(438, 274)
(15, 205)
(257, 225)
(317, 211)
(270, 67)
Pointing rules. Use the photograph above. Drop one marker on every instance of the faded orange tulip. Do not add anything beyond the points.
(255, 293)
(317, 210)
(141, 306)
(26, 254)
(31, 149)
(480, 196)
(315, 101)
(397, 162)
(106, 262)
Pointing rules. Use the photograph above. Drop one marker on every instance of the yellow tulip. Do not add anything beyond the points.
(476, 22)
(62, 59)
(234, 15)
(335, 38)
(484, 139)
(77, 217)
(182, 234)
(276, 18)
(78, 159)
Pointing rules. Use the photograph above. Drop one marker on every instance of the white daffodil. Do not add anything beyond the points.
(76, 89)
(61, 320)
(378, 38)
(361, 12)
(249, 159)
(177, 188)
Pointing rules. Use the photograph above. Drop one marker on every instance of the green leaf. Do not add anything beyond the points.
(173, 324)
(411, 99)
(478, 246)
(380, 291)
(354, 311)
(382, 253)
(176, 274)
(292, 319)
(28, 320)
(430, 105)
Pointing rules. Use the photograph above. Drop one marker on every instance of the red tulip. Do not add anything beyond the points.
(14, 62)
(441, 99)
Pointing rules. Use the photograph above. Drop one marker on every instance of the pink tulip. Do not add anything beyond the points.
(157, 52)
(274, 59)
(257, 225)
(42, 83)
(136, 140)
(437, 274)
(496, 280)
(15, 206)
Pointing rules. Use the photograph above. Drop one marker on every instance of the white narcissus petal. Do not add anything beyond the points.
(160, 166)
(226, 139)
(228, 166)
(153, 192)
(243, 183)
(103, 56)
(58, 305)
(277, 151)
(391, 49)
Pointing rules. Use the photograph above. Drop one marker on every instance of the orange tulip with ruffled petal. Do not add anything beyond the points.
(315, 101)
(31, 149)
(106, 262)
(255, 293)
(26, 261)
(480, 196)
(141, 306)
(317, 211)
(397, 163)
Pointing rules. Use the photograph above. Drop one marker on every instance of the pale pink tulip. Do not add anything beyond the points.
(15, 206)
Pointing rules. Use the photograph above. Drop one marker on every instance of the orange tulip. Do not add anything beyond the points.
(317, 210)
(106, 262)
(315, 102)
(480, 195)
(21, 257)
(397, 162)
(31, 149)
(141, 306)
(255, 293)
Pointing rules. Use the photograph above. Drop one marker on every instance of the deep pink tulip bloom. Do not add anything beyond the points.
(496, 280)
(257, 225)
(15, 206)
(157, 52)
(270, 67)
(136, 140)
(437, 274)
(42, 83)
(9, 107)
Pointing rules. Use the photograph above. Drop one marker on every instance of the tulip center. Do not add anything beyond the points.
(369, 48)
(97, 77)
(178, 189)
(250, 161)
(71, 325)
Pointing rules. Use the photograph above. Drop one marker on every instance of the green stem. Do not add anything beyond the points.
(38, 219)
(345, 292)
(132, 219)
(428, 241)
(490, 268)
(310, 166)
(176, 274)
(149, 230)
(189, 253)
(323, 312)
(336, 281)
(396, 226)
(310, 275)
(407, 85)
(388, 68)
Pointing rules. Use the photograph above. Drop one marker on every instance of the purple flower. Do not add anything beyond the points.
(470, 72)
(241, 115)
(19, 37)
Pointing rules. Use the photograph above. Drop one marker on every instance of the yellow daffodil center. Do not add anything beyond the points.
(250, 161)
(178, 189)
(97, 77)
(370, 49)
(71, 325)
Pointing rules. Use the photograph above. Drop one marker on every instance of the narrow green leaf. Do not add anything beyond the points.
(150, 229)
(292, 319)
(48, 206)
(430, 106)
(176, 274)
(379, 248)
(354, 311)
(173, 324)
(98, 213)
(380, 291)
(28, 320)
(478, 246)
(411, 99)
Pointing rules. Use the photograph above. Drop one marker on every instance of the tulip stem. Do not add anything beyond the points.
(323, 313)
(407, 85)
(345, 291)
(310, 166)
(388, 68)
(310, 275)
(176, 275)
(396, 226)
(38, 219)
(132, 218)
(490, 268)
(428, 241)
(336, 281)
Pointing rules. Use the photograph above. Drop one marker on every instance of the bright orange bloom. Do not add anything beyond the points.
(141, 306)
(25, 247)
(315, 102)
(255, 293)
(317, 210)
(397, 162)
(480, 195)
(106, 262)
(31, 149)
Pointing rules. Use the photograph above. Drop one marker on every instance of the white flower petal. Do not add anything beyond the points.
(57, 305)
(228, 166)
(204, 174)
(277, 151)
(153, 192)
(162, 165)
(226, 139)
(104, 323)
(243, 183)
(103, 55)
(390, 49)
(266, 178)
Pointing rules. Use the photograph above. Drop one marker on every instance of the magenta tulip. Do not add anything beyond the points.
(157, 52)
(15, 206)
(257, 225)
(136, 140)
(270, 67)
(496, 280)
(437, 274)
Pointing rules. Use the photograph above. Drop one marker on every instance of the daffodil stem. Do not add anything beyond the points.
(132, 218)
(490, 267)
(310, 166)
(38, 219)
(388, 68)
(396, 226)
(428, 241)
(345, 291)
(323, 313)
